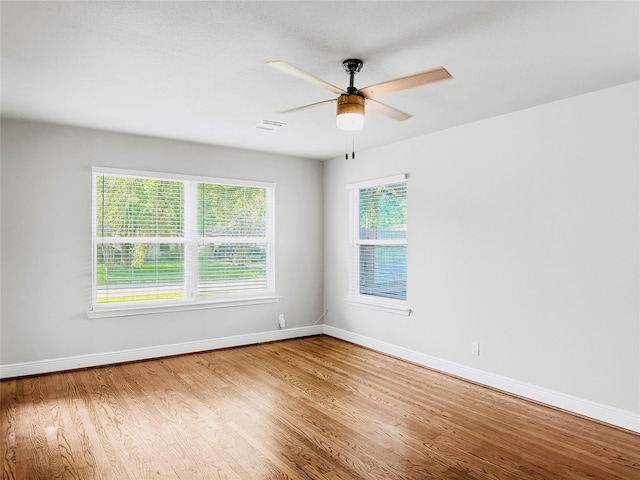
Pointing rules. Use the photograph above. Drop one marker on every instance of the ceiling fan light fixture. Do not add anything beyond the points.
(350, 112)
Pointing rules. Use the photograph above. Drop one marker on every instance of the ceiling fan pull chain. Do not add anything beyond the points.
(353, 145)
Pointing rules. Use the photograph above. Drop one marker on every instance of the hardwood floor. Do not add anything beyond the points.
(311, 408)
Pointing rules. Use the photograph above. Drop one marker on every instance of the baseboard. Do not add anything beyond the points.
(597, 411)
(96, 359)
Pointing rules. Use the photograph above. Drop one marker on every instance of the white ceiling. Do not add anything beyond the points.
(195, 70)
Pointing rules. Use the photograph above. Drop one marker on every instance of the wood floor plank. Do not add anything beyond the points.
(310, 408)
(9, 421)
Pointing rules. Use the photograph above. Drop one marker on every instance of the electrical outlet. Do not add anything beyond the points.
(475, 348)
(281, 321)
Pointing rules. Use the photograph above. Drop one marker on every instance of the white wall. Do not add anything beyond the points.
(46, 241)
(524, 236)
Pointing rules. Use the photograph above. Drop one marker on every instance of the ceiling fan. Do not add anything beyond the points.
(351, 102)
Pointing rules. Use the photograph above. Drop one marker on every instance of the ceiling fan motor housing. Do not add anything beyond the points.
(351, 103)
(350, 111)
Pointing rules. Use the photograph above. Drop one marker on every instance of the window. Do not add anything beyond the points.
(379, 243)
(168, 240)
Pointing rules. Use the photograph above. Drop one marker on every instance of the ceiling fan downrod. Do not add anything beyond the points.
(352, 66)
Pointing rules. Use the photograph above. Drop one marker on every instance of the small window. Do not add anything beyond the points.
(167, 240)
(379, 243)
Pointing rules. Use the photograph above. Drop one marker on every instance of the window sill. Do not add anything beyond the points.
(120, 311)
(389, 306)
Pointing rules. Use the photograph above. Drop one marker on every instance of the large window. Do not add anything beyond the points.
(176, 240)
(379, 242)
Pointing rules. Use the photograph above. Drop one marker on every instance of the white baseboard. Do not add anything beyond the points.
(145, 353)
(614, 416)
(604, 413)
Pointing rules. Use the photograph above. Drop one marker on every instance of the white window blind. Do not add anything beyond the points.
(379, 242)
(234, 231)
(176, 240)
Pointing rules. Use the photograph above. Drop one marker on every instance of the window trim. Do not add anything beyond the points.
(161, 306)
(399, 307)
(389, 305)
(131, 310)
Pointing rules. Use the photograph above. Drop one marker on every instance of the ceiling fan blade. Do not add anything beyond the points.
(294, 109)
(387, 110)
(296, 72)
(402, 83)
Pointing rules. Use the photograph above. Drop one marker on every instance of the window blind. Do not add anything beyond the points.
(139, 242)
(379, 235)
(179, 239)
(235, 239)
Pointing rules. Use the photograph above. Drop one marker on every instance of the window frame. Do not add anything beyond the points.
(355, 242)
(190, 241)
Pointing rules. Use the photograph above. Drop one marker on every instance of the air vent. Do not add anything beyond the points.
(269, 125)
